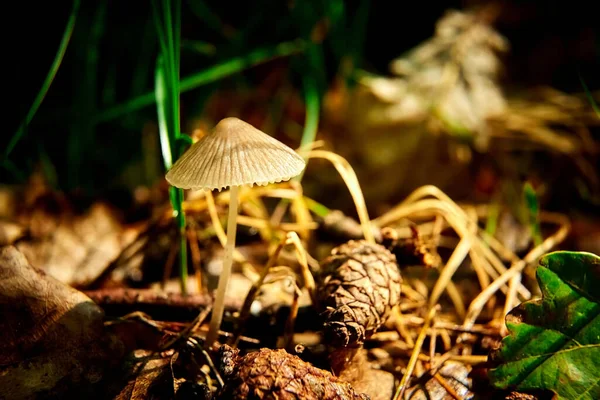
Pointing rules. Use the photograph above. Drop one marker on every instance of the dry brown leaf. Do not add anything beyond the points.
(150, 371)
(51, 333)
(76, 250)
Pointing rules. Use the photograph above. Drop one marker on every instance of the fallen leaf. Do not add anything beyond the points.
(77, 249)
(150, 374)
(53, 338)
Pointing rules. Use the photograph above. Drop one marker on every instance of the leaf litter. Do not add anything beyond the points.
(429, 344)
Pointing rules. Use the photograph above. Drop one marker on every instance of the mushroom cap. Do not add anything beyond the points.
(235, 153)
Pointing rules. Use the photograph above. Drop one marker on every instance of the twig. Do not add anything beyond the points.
(293, 239)
(245, 310)
(189, 329)
(196, 257)
(442, 381)
(169, 264)
(209, 360)
(173, 305)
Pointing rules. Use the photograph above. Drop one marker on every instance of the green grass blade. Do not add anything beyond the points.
(533, 208)
(161, 106)
(588, 94)
(62, 48)
(239, 64)
(167, 105)
(213, 74)
(491, 223)
(311, 120)
(335, 11)
(48, 168)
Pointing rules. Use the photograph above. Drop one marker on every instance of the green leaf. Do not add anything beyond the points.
(554, 342)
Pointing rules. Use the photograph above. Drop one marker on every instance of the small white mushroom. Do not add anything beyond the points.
(234, 154)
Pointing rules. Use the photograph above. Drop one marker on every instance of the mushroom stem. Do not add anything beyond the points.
(219, 304)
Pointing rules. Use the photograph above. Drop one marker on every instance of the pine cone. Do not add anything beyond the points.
(358, 285)
(276, 374)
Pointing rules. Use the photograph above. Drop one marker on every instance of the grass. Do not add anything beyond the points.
(206, 76)
(589, 95)
(167, 20)
(108, 90)
(533, 213)
(62, 48)
(97, 104)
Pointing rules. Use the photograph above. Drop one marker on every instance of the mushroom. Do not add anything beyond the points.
(234, 154)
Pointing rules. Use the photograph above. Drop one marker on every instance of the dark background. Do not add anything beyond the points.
(552, 43)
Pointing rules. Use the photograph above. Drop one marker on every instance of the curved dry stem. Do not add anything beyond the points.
(301, 255)
(456, 218)
(511, 299)
(349, 176)
(457, 257)
(255, 208)
(478, 303)
(480, 270)
(260, 223)
(456, 298)
(300, 211)
(495, 244)
(414, 357)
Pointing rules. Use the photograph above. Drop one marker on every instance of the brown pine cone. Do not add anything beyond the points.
(358, 285)
(276, 374)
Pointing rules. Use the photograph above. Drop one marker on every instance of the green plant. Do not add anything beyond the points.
(554, 342)
(234, 154)
(167, 103)
(533, 213)
(62, 48)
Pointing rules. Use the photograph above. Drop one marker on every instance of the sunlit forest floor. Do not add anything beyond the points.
(439, 244)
